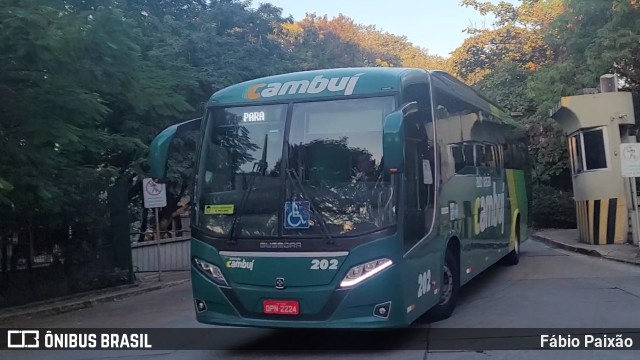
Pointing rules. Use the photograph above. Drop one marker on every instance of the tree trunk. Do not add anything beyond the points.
(168, 213)
(30, 251)
(144, 224)
(4, 262)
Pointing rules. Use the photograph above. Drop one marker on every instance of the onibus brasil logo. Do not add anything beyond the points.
(33, 339)
(318, 84)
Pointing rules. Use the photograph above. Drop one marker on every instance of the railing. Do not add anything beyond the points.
(44, 263)
(174, 253)
(41, 260)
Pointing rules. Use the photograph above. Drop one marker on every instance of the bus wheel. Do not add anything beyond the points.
(449, 290)
(513, 258)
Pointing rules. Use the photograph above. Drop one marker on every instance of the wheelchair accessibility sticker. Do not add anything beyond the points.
(296, 214)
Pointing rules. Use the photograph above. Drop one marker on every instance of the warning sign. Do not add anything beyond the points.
(630, 159)
(218, 209)
(155, 195)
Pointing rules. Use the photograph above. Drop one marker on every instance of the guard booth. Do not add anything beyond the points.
(596, 123)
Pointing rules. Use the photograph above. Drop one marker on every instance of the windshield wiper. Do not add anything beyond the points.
(261, 167)
(291, 175)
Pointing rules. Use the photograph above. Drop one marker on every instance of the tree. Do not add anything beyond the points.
(507, 85)
(318, 43)
(340, 42)
(56, 66)
(589, 40)
(60, 66)
(517, 38)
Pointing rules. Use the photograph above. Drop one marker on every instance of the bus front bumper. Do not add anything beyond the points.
(319, 307)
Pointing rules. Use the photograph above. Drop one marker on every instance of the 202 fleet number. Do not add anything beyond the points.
(424, 283)
(324, 264)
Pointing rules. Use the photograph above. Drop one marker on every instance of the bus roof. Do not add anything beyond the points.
(343, 81)
(450, 84)
(310, 84)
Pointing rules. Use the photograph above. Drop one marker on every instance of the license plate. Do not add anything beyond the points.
(281, 307)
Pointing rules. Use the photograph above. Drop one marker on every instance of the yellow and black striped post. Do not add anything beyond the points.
(602, 222)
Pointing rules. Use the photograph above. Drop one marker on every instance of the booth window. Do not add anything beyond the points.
(589, 150)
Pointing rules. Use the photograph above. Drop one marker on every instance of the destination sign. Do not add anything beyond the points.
(255, 116)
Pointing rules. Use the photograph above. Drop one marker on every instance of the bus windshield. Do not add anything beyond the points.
(331, 181)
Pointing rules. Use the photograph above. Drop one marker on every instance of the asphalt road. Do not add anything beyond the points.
(549, 289)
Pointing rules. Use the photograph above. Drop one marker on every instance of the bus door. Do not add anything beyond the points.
(420, 180)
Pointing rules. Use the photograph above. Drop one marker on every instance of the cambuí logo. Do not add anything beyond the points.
(490, 211)
(237, 263)
(318, 84)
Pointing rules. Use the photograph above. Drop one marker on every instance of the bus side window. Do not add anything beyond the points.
(480, 156)
(469, 165)
(458, 157)
(489, 156)
(512, 156)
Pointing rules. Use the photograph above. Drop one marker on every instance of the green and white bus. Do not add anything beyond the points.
(349, 198)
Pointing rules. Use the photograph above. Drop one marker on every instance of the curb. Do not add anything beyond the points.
(86, 303)
(70, 297)
(581, 250)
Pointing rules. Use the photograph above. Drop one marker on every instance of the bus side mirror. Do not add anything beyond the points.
(393, 138)
(159, 149)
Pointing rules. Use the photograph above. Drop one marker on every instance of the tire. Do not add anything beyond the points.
(513, 258)
(450, 289)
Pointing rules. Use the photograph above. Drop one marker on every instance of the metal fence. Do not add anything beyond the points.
(173, 253)
(32, 272)
(47, 261)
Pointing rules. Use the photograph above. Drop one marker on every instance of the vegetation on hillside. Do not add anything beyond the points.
(536, 53)
(87, 84)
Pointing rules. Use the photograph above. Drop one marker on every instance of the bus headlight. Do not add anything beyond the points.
(362, 272)
(212, 271)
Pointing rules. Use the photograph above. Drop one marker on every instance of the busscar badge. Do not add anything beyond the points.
(279, 283)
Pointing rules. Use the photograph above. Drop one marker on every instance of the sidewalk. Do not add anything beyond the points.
(568, 239)
(144, 283)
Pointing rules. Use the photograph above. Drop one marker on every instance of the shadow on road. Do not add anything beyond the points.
(416, 337)
(286, 342)
(280, 342)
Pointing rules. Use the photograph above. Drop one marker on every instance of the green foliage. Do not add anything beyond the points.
(507, 85)
(340, 42)
(539, 51)
(5, 187)
(505, 12)
(86, 84)
(553, 208)
(548, 151)
(517, 38)
(532, 14)
(590, 39)
(59, 69)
